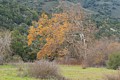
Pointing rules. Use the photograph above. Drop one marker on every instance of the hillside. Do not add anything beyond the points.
(13, 14)
(105, 13)
(40, 5)
(111, 8)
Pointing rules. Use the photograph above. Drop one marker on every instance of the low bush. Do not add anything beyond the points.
(44, 70)
(1, 60)
(114, 61)
(14, 59)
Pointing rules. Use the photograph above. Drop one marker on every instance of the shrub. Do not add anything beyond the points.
(112, 76)
(114, 61)
(14, 59)
(44, 70)
(98, 53)
(1, 60)
(5, 42)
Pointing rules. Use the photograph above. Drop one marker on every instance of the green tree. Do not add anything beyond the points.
(19, 44)
(114, 61)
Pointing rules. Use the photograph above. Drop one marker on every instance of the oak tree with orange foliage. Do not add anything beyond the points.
(52, 30)
(64, 31)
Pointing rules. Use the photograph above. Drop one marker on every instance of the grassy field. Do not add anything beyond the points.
(8, 72)
(77, 73)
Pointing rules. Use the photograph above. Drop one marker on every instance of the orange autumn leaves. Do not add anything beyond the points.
(52, 30)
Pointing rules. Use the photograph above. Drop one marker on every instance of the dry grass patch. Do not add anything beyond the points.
(112, 76)
(44, 70)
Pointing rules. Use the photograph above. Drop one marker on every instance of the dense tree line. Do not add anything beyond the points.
(17, 18)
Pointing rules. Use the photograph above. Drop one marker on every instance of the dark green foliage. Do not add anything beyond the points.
(105, 15)
(12, 14)
(114, 61)
(40, 5)
(19, 44)
(17, 17)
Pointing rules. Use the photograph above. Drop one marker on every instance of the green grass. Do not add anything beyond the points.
(8, 72)
(77, 73)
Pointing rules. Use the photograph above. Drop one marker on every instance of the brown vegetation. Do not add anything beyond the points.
(5, 42)
(98, 54)
(44, 70)
(115, 76)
